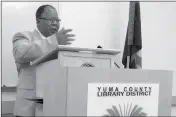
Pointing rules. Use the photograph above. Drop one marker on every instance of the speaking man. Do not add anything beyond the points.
(28, 46)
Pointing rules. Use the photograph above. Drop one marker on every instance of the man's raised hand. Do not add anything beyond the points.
(63, 38)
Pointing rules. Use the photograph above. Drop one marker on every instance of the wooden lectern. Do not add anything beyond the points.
(62, 83)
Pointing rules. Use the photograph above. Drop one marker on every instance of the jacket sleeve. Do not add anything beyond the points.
(25, 50)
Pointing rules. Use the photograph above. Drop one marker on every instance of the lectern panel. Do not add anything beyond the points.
(78, 79)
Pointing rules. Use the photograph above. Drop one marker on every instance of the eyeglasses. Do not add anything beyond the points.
(51, 20)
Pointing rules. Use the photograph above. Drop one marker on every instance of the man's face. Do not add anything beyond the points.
(48, 22)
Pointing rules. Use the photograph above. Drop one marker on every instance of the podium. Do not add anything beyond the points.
(76, 82)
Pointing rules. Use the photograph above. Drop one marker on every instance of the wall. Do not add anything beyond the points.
(94, 23)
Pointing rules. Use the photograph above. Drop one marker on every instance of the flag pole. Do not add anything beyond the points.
(128, 55)
(128, 62)
(130, 31)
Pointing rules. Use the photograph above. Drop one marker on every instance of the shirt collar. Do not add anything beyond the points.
(42, 36)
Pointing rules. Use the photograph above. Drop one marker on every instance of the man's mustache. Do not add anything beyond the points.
(54, 25)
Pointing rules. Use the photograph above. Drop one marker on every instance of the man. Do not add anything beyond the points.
(28, 46)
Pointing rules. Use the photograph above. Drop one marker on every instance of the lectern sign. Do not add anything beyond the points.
(122, 99)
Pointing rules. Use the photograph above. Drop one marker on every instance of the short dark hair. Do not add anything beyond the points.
(41, 9)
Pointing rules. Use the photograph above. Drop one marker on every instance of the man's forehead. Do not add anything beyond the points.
(50, 12)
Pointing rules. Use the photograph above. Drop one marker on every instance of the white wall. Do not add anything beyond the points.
(94, 23)
(8, 96)
(173, 111)
(159, 35)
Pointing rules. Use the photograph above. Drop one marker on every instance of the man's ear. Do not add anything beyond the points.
(37, 20)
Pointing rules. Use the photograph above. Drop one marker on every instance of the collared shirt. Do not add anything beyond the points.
(42, 36)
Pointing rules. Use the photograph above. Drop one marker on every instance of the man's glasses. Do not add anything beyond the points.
(51, 20)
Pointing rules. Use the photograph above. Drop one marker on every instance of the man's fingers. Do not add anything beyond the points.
(67, 30)
(70, 39)
(67, 43)
(62, 30)
(70, 35)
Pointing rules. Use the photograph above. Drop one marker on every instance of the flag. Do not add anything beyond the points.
(133, 42)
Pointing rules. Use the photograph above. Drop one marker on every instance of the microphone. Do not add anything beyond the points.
(99, 46)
